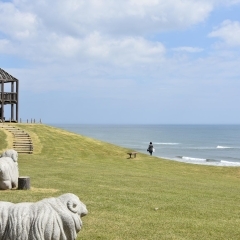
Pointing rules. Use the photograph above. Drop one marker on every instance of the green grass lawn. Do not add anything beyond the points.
(141, 198)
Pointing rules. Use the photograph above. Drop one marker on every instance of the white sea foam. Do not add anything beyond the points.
(223, 147)
(201, 148)
(164, 143)
(212, 162)
(193, 159)
(227, 163)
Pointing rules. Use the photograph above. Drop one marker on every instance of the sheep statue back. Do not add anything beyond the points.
(9, 170)
(49, 219)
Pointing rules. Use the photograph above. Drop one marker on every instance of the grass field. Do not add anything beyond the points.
(141, 198)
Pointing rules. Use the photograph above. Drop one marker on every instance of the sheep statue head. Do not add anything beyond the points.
(11, 153)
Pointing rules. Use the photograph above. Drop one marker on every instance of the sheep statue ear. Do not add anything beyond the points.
(72, 206)
(13, 158)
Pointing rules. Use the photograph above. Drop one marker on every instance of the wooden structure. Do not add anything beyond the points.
(8, 98)
(134, 154)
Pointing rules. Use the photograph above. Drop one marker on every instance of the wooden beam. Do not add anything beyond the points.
(17, 88)
(2, 100)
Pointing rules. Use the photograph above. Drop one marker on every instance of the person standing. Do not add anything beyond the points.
(150, 148)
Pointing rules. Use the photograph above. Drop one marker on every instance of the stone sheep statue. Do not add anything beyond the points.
(49, 219)
(11, 153)
(9, 170)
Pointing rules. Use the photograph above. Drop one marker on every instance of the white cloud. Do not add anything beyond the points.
(81, 17)
(188, 49)
(80, 44)
(47, 31)
(16, 23)
(229, 32)
(225, 2)
(67, 45)
(94, 48)
(4, 45)
(95, 30)
(124, 51)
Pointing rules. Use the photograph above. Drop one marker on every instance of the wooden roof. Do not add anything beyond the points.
(6, 76)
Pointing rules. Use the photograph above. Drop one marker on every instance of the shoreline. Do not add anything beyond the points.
(193, 144)
(205, 162)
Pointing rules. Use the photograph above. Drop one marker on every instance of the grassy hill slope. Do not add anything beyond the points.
(141, 198)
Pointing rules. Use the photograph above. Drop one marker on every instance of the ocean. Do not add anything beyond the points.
(217, 145)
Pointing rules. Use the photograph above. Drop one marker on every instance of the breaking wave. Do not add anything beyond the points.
(192, 159)
(204, 161)
(224, 147)
(163, 143)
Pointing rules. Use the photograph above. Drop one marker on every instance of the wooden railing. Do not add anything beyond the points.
(9, 97)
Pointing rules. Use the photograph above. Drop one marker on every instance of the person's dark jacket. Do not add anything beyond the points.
(150, 148)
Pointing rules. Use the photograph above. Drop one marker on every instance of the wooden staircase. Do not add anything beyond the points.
(22, 142)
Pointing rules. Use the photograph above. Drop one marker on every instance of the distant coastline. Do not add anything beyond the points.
(206, 144)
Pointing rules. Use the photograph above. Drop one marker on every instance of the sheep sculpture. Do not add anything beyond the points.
(11, 153)
(49, 219)
(9, 170)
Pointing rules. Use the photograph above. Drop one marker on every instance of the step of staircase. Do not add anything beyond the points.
(22, 141)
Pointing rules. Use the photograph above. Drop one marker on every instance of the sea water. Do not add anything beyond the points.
(197, 144)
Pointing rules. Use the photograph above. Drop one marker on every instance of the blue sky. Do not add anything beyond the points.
(128, 61)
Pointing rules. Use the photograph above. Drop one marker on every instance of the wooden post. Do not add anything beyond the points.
(24, 183)
(17, 100)
(12, 98)
(2, 106)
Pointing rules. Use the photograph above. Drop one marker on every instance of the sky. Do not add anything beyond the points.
(124, 61)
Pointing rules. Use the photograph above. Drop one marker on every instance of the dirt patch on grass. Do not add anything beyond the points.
(44, 190)
(37, 146)
(9, 139)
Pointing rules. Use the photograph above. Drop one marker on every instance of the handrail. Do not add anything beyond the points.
(8, 96)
